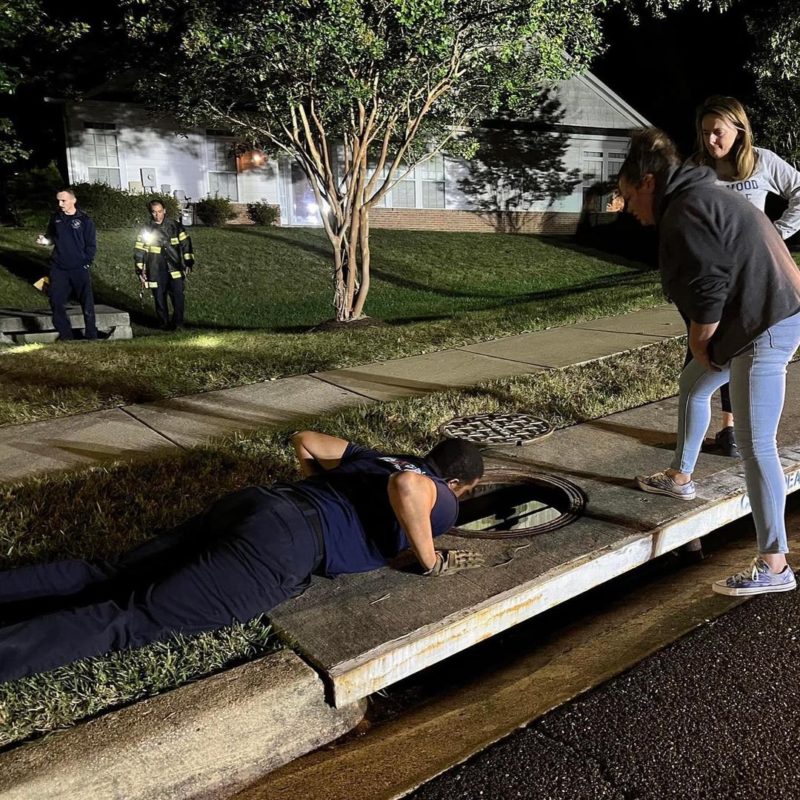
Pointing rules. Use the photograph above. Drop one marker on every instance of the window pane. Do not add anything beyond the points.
(403, 195)
(107, 176)
(433, 194)
(223, 184)
(593, 170)
(432, 170)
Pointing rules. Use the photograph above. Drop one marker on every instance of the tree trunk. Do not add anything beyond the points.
(363, 246)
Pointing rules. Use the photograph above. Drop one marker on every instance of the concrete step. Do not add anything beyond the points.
(26, 327)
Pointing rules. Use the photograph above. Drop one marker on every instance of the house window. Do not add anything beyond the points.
(600, 167)
(431, 177)
(103, 153)
(404, 193)
(222, 168)
(614, 163)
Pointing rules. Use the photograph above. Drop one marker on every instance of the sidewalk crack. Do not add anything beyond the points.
(150, 427)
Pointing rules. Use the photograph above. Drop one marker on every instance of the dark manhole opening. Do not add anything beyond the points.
(508, 504)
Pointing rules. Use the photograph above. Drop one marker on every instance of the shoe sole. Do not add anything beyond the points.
(732, 592)
(645, 487)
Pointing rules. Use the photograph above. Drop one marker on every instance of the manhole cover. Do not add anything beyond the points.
(508, 503)
(497, 429)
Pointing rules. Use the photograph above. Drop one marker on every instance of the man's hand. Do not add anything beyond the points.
(699, 337)
(455, 561)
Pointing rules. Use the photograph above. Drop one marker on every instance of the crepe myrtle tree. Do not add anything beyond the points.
(358, 92)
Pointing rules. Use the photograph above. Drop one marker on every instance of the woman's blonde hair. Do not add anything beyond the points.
(743, 154)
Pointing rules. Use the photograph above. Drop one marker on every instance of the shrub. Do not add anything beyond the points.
(117, 208)
(214, 211)
(32, 195)
(263, 213)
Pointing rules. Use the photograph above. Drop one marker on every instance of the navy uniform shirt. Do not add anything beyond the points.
(359, 526)
(74, 238)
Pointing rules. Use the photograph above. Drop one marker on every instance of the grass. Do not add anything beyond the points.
(99, 512)
(256, 292)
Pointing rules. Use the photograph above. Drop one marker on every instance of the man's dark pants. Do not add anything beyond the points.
(250, 551)
(77, 282)
(172, 288)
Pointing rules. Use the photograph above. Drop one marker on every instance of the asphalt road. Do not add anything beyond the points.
(715, 715)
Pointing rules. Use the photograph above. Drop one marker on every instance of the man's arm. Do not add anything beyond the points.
(185, 247)
(90, 238)
(317, 452)
(413, 497)
(699, 336)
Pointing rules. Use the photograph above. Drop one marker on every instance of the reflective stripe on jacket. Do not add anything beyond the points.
(162, 248)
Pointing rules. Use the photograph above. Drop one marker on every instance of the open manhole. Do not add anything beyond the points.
(497, 429)
(507, 504)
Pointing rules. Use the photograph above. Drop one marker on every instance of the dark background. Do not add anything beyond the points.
(665, 68)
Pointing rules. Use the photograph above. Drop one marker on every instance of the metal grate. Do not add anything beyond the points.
(497, 429)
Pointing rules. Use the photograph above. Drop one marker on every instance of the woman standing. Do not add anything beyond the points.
(727, 269)
(725, 143)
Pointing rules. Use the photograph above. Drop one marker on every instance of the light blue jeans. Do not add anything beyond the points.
(758, 386)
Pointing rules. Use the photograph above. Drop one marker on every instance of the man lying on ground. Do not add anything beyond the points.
(252, 549)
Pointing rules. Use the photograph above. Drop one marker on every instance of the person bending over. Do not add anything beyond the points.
(727, 269)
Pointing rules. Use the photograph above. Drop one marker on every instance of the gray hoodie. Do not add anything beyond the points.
(722, 260)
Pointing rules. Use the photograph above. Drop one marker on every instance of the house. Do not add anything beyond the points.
(118, 143)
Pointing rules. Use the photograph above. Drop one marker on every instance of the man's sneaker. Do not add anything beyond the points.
(661, 483)
(758, 578)
(725, 443)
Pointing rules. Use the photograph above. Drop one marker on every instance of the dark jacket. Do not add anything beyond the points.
(722, 260)
(163, 249)
(74, 238)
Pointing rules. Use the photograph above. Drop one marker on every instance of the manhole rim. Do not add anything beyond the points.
(574, 496)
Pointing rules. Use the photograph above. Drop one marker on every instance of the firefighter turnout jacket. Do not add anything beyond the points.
(162, 250)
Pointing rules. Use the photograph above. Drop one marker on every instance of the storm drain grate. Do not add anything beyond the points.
(497, 429)
(511, 503)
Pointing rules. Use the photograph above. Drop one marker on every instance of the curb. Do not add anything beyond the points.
(207, 739)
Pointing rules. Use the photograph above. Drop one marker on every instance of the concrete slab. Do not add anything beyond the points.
(660, 321)
(193, 420)
(419, 375)
(14, 319)
(82, 440)
(385, 632)
(207, 739)
(560, 347)
(30, 327)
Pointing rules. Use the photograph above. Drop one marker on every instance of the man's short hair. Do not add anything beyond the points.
(68, 190)
(155, 203)
(456, 458)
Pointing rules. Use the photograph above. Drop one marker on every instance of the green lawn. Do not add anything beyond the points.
(257, 291)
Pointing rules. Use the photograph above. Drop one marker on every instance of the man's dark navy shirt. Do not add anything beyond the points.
(359, 526)
(74, 238)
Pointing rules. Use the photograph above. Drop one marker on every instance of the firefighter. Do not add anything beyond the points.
(163, 256)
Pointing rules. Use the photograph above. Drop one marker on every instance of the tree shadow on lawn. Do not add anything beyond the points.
(606, 282)
(272, 233)
(568, 243)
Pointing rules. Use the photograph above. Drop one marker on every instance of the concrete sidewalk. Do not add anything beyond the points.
(127, 431)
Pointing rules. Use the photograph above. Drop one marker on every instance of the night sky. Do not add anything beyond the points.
(666, 68)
